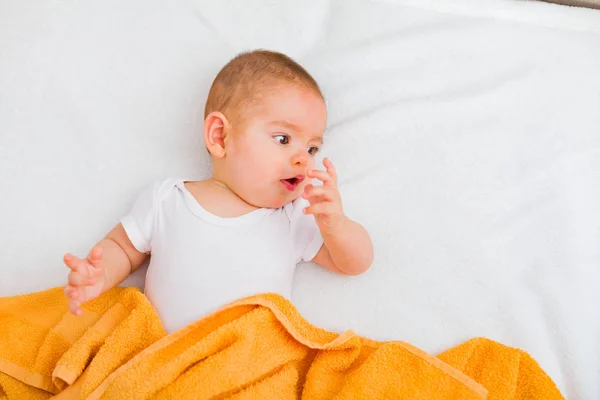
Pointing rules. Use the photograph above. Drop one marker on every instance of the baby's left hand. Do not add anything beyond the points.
(325, 201)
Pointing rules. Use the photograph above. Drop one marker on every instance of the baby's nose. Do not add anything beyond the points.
(300, 158)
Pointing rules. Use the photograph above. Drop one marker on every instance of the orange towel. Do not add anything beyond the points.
(254, 348)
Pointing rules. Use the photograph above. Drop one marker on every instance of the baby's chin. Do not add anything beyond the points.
(281, 203)
(276, 202)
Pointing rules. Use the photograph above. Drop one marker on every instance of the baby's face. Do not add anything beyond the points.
(269, 154)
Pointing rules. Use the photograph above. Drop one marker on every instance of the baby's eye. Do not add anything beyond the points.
(313, 150)
(282, 139)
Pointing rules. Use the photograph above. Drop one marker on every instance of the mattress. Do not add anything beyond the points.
(466, 136)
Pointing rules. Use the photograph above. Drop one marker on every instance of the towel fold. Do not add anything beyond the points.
(255, 348)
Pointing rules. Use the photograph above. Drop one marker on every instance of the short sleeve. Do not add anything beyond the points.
(140, 222)
(307, 239)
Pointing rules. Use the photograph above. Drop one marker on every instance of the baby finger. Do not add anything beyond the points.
(70, 291)
(320, 175)
(330, 168)
(73, 306)
(71, 261)
(318, 191)
(77, 279)
(318, 209)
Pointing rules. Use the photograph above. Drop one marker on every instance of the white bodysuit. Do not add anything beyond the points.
(200, 262)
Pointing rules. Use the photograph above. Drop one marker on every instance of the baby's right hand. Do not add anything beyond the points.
(86, 279)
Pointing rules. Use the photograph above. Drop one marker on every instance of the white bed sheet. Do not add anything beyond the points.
(466, 134)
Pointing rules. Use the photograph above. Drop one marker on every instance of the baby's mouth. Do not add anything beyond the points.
(292, 183)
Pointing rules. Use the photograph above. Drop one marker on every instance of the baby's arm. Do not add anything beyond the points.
(108, 264)
(347, 246)
(349, 251)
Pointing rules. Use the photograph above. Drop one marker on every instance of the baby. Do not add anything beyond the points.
(244, 230)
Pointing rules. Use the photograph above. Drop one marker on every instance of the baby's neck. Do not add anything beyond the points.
(218, 199)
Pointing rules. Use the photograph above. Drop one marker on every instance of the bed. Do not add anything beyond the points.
(466, 135)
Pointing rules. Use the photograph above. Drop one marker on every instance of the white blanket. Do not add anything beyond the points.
(466, 134)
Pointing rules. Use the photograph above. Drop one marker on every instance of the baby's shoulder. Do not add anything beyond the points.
(160, 189)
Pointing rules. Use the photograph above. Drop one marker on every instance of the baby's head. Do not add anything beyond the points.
(263, 124)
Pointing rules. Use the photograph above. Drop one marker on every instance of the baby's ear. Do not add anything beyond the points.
(215, 125)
